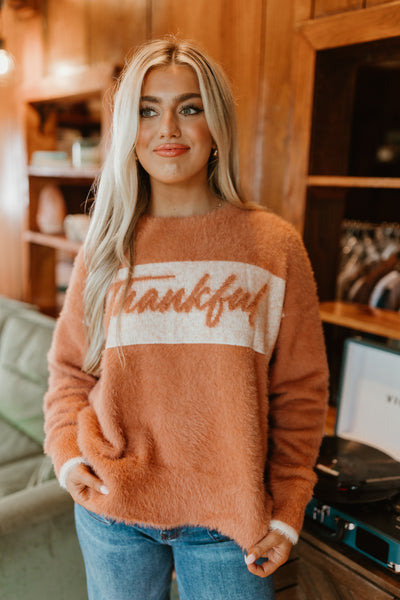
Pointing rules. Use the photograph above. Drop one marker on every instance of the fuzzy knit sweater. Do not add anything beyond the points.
(215, 415)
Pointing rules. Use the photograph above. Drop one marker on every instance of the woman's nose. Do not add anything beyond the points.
(169, 125)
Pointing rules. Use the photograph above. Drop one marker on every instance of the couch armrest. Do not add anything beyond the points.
(32, 505)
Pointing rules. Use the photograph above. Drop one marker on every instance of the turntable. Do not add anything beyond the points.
(357, 495)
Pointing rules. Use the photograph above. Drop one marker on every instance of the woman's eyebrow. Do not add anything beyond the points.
(177, 99)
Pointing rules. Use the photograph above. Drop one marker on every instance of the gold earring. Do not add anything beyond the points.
(215, 153)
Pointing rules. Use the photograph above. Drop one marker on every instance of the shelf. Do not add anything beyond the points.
(59, 242)
(352, 26)
(353, 182)
(88, 173)
(362, 318)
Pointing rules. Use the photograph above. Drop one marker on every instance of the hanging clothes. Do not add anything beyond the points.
(369, 267)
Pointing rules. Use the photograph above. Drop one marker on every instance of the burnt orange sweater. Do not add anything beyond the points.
(216, 417)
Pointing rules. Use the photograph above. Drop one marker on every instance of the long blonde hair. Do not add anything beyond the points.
(123, 190)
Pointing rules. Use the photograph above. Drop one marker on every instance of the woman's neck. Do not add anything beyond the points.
(174, 201)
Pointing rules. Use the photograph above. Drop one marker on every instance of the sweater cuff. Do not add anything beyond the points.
(66, 468)
(289, 533)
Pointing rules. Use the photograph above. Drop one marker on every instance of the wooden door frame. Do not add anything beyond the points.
(353, 27)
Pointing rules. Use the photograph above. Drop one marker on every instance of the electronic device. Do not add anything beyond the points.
(357, 495)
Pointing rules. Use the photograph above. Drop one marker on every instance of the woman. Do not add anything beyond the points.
(188, 380)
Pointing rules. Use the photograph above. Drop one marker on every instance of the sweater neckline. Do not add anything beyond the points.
(215, 213)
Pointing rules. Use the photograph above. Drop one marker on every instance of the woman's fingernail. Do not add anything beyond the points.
(249, 559)
(104, 490)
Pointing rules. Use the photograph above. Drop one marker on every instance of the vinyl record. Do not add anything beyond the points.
(353, 472)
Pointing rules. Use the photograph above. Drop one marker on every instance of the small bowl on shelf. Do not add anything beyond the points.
(76, 227)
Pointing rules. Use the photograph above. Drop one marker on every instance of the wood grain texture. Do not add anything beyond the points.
(291, 593)
(80, 34)
(348, 571)
(323, 8)
(116, 28)
(354, 27)
(201, 22)
(295, 184)
(303, 10)
(13, 193)
(276, 106)
(362, 318)
(334, 92)
(41, 280)
(66, 36)
(369, 3)
(354, 182)
(286, 575)
(325, 211)
(242, 34)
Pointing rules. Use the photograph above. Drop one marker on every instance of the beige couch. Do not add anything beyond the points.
(40, 556)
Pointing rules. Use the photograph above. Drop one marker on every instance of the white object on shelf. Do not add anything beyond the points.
(86, 152)
(51, 210)
(48, 158)
(76, 227)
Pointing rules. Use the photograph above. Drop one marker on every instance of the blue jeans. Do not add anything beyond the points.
(128, 562)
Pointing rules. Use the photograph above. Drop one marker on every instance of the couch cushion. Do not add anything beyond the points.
(14, 444)
(24, 473)
(9, 306)
(24, 343)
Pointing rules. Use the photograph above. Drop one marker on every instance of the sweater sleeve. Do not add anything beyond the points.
(69, 386)
(298, 383)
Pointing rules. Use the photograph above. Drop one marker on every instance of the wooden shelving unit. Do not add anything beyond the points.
(56, 113)
(334, 171)
(347, 74)
(345, 179)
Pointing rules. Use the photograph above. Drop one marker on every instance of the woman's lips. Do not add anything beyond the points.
(169, 150)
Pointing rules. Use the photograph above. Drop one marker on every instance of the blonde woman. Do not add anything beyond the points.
(188, 381)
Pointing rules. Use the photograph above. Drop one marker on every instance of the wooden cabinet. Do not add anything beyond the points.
(355, 111)
(334, 572)
(332, 177)
(342, 111)
(44, 251)
(317, 570)
(55, 118)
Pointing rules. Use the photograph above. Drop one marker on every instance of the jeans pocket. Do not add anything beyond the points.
(216, 536)
(99, 518)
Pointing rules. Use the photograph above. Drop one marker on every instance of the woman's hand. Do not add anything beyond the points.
(275, 547)
(81, 479)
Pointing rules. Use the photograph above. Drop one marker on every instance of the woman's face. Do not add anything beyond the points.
(174, 142)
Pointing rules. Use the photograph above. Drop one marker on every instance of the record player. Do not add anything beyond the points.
(357, 496)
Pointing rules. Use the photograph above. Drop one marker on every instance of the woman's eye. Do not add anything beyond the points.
(191, 110)
(147, 112)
